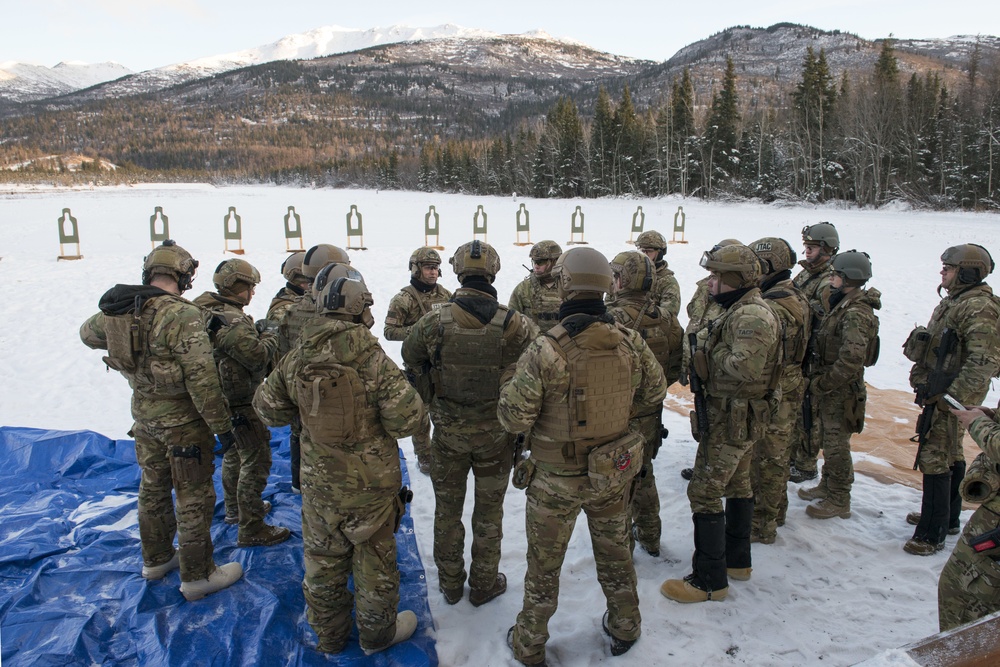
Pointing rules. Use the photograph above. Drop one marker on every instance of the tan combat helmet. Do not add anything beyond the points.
(423, 257)
(331, 272)
(172, 260)
(291, 268)
(653, 241)
(974, 262)
(234, 276)
(320, 255)
(822, 234)
(736, 264)
(634, 270)
(582, 273)
(854, 266)
(775, 255)
(341, 294)
(477, 258)
(545, 251)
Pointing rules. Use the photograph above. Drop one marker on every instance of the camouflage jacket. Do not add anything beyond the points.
(844, 342)
(538, 300)
(242, 355)
(742, 347)
(292, 321)
(814, 281)
(542, 372)
(666, 290)
(175, 381)
(792, 309)
(986, 433)
(973, 313)
(472, 310)
(362, 470)
(702, 308)
(408, 306)
(638, 311)
(283, 300)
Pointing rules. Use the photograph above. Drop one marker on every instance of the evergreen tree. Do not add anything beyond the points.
(683, 136)
(602, 146)
(721, 152)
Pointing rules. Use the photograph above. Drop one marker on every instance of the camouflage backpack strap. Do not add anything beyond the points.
(421, 304)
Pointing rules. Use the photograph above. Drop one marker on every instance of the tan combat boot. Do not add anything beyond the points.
(406, 624)
(826, 509)
(223, 576)
(682, 590)
(154, 572)
(265, 536)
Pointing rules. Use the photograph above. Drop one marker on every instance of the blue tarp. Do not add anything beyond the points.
(71, 592)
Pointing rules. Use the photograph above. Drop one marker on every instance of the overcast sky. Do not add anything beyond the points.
(143, 34)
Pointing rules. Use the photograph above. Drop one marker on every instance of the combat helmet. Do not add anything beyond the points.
(421, 257)
(320, 255)
(974, 262)
(331, 272)
(736, 264)
(635, 271)
(172, 260)
(291, 268)
(854, 266)
(234, 276)
(775, 254)
(582, 273)
(654, 241)
(476, 258)
(341, 294)
(545, 251)
(822, 234)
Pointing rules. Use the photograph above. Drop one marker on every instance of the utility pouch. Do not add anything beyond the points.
(871, 354)
(186, 465)
(739, 419)
(987, 544)
(760, 418)
(915, 347)
(616, 461)
(168, 378)
(524, 470)
(981, 482)
(122, 334)
(854, 409)
(695, 431)
(700, 363)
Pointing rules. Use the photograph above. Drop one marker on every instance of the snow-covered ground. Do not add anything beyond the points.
(833, 591)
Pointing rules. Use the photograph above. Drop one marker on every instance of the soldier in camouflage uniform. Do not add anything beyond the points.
(969, 586)
(846, 342)
(965, 322)
(736, 360)
(466, 343)
(290, 320)
(242, 355)
(177, 405)
(769, 469)
(666, 291)
(409, 305)
(584, 453)
(701, 310)
(633, 306)
(536, 297)
(295, 286)
(820, 242)
(353, 403)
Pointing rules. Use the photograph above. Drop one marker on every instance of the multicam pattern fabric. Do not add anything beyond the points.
(537, 299)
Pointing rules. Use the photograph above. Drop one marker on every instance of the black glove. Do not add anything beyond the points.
(265, 326)
(227, 440)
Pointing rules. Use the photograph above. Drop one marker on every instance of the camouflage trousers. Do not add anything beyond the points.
(245, 468)
(344, 536)
(553, 504)
(803, 450)
(969, 585)
(644, 510)
(164, 468)
(721, 466)
(943, 445)
(769, 466)
(486, 450)
(831, 432)
(421, 438)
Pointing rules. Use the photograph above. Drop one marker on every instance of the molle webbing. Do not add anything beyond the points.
(599, 397)
(793, 340)
(467, 362)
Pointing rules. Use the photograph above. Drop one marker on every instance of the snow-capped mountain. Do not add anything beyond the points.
(22, 83)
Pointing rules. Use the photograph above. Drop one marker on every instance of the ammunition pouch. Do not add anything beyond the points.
(695, 430)
(871, 354)
(981, 482)
(699, 361)
(854, 408)
(615, 462)
(915, 347)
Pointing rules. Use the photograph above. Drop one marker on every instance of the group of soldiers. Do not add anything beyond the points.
(561, 391)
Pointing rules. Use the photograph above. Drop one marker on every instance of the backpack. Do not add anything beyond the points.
(333, 403)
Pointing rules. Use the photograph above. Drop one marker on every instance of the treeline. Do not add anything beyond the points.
(866, 138)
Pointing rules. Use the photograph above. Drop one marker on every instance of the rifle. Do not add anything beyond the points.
(807, 366)
(938, 382)
(698, 389)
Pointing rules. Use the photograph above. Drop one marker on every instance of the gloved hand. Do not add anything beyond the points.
(266, 326)
(227, 440)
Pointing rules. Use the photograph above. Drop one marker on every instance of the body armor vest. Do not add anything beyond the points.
(599, 399)
(663, 335)
(796, 321)
(302, 311)
(467, 363)
(151, 376)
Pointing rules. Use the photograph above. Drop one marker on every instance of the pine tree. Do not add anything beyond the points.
(682, 130)
(721, 154)
(602, 146)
